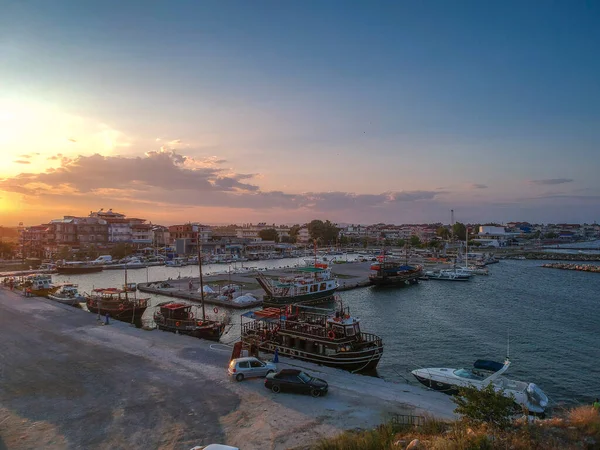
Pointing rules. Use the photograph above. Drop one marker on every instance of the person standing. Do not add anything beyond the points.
(596, 405)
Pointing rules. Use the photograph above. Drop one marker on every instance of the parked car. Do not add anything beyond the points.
(248, 367)
(296, 381)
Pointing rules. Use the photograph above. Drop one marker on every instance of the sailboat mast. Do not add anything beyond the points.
(126, 289)
(467, 247)
(200, 269)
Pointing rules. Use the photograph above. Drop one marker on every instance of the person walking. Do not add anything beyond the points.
(596, 405)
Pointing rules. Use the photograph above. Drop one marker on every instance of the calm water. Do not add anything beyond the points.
(551, 316)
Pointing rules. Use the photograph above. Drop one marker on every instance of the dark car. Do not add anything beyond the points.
(290, 380)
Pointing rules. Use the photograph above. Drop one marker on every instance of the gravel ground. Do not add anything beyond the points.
(68, 382)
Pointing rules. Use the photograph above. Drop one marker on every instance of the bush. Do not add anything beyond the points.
(485, 406)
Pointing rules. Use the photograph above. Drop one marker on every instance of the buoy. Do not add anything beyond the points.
(216, 310)
(176, 324)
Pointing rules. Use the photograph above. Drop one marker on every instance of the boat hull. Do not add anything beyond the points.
(71, 301)
(288, 300)
(78, 270)
(212, 333)
(394, 281)
(353, 361)
(125, 315)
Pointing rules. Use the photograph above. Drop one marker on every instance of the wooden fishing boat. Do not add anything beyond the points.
(120, 304)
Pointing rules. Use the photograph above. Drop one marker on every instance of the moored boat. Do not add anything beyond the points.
(310, 284)
(120, 304)
(77, 268)
(179, 318)
(484, 372)
(391, 273)
(331, 338)
(67, 294)
(39, 285)
(448, 275)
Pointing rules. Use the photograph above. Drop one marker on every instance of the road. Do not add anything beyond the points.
(66, 381)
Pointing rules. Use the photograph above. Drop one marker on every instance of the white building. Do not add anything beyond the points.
(303, 236)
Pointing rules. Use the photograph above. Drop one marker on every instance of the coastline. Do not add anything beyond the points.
(135, 387)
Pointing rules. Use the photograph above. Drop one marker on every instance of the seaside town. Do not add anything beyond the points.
(105, 231)
(263, 301)
(291, 225)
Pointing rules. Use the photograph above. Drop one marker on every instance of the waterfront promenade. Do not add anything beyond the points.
(66, 381)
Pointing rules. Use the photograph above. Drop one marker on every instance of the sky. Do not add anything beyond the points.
(286, 111)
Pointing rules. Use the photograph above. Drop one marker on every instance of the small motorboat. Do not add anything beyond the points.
(449, 275)
(484, 372)
(68, 295)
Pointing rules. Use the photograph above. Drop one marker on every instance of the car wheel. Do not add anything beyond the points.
(315, 393)
(269, 372)
(239, 377)
(275, 388)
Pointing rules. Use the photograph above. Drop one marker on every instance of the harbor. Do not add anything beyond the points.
(577, 267)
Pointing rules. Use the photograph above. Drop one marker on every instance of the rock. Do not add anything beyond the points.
(414, 444)
(400, 443)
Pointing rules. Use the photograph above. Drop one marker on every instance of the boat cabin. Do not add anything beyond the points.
(177, 311)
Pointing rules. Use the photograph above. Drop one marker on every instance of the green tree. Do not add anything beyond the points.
(460, 231)
(551, 235)
(484, 406)
(64, 253)
(400, 242)
(121, 250)
(325, 232)
(288, 239)
(434, 243)
(415, 241)
(269, 234)
(443, 232)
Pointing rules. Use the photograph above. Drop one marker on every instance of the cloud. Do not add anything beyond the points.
(165, 177)
(31, 155)
(478, 186)
(22, 161)
(552, 181)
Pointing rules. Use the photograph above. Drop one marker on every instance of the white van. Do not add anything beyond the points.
(103, 259)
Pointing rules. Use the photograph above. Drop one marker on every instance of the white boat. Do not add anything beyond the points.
(449, 275)
(484, 372)
(68, 295)
(176, 262)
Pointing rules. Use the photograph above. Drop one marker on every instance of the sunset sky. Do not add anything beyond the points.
(285, 111)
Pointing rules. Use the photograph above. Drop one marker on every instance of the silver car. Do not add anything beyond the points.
(249, 366)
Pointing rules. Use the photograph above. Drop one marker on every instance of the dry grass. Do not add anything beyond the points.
(577, 428)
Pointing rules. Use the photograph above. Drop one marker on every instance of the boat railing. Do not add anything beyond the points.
(368, 337)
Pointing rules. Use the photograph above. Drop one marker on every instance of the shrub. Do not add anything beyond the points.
(484, 406)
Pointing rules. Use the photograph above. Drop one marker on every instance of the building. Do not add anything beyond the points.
(303, 236)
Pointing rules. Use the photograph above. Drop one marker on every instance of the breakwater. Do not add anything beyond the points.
(578, 267)
(555, 256)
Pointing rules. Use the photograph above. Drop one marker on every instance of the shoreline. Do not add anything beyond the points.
(141, 385)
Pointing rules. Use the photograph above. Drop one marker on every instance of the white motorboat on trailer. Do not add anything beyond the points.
(484, 372)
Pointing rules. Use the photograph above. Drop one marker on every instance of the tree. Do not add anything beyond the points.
(121, 250)
(269, 234)
(288, 239)
(434, 243)
(294, 232)
(64, 253)
(485, 406)
(443, 232)
(326, 232)
(551, 235)
(415, 241)
(460, 231)
(400, 242)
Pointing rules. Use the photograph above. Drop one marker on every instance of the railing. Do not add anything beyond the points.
(406, 420)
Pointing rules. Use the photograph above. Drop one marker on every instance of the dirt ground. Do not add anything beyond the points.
(67, 382)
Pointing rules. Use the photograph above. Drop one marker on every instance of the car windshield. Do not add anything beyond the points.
(304, 377)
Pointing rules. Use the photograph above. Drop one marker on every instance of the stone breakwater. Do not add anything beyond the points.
(554, 256)
(578, 267)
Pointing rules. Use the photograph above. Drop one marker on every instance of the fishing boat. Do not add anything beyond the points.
(77, 268)
(120, 304)
(484, 372)
(39, 285)
(67, 294)
(179, 318)
(309, 284)
(390, 273)
(329, 337)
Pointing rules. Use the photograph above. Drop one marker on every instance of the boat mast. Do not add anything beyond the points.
(467, 247)
(200, 269)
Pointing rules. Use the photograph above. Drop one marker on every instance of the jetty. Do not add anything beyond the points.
(577, 267)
